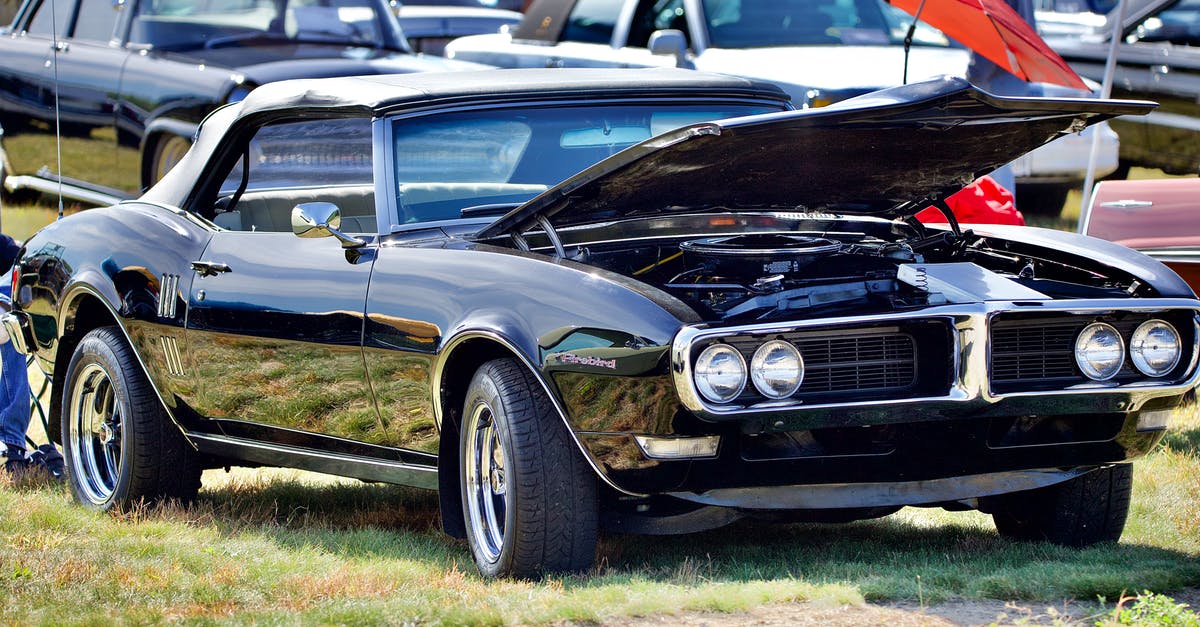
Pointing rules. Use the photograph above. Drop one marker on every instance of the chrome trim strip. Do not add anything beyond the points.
(51, 186)
(365, 468)
(970, 388)
(439, 374)
(840, 495)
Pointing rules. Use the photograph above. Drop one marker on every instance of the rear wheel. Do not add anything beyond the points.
(119, 445)
(1086, 510)
(167, 152)
(529, 498)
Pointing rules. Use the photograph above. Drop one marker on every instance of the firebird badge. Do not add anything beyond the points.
(572, 358)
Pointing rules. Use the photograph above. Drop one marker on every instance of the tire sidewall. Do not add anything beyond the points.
(95, 350)
(484, 390)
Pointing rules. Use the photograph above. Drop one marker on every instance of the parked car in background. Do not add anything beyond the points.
(1159, 217)
(574, 299)
(792, 44)
(1158, 57)
(134, 78)
(429, 28)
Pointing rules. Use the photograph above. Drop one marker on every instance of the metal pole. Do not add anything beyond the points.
(1110, 68)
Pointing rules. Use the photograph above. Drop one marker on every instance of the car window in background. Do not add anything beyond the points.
(1178, 24)
(49, 16)
(592, 21)
(655, 15)
(96, 20)
(763, 23)
(502, 156)
(183, 24)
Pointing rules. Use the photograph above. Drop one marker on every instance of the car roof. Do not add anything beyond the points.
(382, 93)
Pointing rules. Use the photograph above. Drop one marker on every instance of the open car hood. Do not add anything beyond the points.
(887, 153)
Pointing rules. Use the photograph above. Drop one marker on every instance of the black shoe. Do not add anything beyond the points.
(47, 456)
(16, 462)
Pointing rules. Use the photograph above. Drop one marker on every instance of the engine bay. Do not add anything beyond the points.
(744, 277)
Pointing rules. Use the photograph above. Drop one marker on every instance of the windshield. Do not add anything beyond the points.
(489, 161)
(184, 24)
(764, 23)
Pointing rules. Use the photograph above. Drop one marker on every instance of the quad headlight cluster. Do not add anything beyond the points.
(776, 371)
(1154, 349)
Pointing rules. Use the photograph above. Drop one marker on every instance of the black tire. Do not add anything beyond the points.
(532, 508)
(1036, 199)
(120, 447)
(1083, 511)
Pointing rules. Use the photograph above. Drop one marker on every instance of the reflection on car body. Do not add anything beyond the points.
(569, 299)
(129, 81)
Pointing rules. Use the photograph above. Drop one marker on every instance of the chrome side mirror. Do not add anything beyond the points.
(321, 219)
(671, 42)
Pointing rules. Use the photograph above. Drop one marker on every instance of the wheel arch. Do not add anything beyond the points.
(85, 309)
(461, 356)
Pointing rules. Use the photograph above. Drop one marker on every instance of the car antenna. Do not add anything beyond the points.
(54, 48)
(908, 37)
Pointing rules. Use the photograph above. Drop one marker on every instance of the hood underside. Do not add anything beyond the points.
(887, 153)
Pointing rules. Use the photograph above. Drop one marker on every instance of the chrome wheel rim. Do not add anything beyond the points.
(487, 489)
(170, 152)
(95, 432)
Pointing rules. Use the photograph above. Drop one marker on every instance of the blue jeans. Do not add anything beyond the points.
(14, 391)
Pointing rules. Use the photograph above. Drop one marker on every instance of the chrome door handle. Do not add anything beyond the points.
(210, 268)
(60, 46)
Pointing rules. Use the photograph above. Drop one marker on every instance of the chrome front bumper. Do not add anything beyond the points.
(970, 393)
(17, 329)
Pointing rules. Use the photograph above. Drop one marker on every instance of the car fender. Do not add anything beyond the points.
(1087, 251)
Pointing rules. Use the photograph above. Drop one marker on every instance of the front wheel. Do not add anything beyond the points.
(1086, 510)
(529, 498)
(119, 445)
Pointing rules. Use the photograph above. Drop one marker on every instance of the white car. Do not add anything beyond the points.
(819, 51)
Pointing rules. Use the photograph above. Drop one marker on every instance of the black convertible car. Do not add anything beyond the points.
(568, 300)
(133, 78)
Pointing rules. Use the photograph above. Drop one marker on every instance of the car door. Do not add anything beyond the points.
(88, 70)
(26, 98)
(275, 321)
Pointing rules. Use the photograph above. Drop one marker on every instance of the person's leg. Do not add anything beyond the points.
(14, 403)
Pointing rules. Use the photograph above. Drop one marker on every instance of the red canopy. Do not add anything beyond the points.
(994, 30)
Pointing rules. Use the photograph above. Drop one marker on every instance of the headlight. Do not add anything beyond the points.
(777, 369)
(720, 373)
(1155, 348)
(1099, 351)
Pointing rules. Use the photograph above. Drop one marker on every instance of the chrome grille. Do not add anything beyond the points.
(844, 363)
(1027, 352)
(873, 362)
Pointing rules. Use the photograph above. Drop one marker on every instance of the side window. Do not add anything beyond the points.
(592, 21)
(1178, 24)
(655, 15)
(96, 20)
(51, 16)
(290, 163)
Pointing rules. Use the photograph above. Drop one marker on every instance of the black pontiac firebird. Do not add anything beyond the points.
(569, 301)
